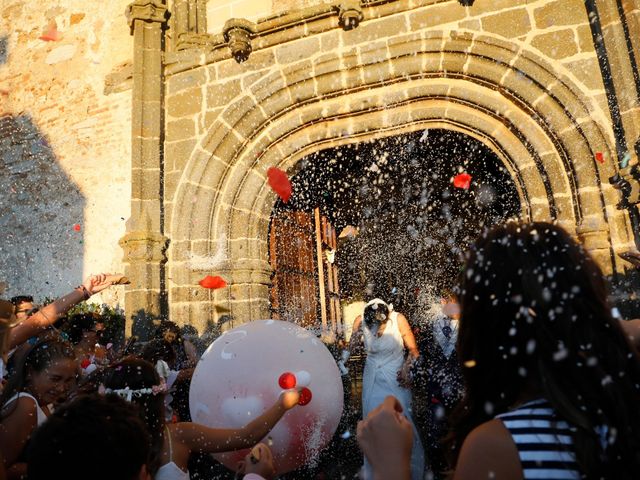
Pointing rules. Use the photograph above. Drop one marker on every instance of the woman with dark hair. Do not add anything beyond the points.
(44, 376)
(96, 437)
(386, 333)
(552, 383)
(539, 344)
(137, 381)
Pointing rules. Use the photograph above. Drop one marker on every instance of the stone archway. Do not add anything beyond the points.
(538, 122)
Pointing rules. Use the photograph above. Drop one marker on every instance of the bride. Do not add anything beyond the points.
(386, 334)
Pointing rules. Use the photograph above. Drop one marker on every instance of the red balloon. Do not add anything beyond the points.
(77, 227)
(212, 282)
(462, 180)
(305, 396)
(287, 380)
(85, 363)
(600, 157)
(280, 183)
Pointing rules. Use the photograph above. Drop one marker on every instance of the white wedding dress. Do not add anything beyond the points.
(385, 357)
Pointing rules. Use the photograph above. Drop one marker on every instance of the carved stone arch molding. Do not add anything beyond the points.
(533, 116)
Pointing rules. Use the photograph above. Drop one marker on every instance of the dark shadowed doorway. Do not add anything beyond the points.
(402, 217)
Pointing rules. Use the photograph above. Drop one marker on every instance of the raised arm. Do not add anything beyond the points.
(51, 313)
(203, 439)
(385, 437)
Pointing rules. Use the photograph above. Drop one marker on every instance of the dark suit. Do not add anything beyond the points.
(437, 387)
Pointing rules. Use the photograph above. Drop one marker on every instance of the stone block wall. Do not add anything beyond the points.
(65, 151)
(513, 64)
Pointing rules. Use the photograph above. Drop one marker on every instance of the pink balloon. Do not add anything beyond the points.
(236, 380)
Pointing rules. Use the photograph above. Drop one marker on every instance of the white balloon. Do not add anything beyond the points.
(236, 380)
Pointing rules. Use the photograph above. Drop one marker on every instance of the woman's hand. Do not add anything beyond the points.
(386, 438)
(404, 374)
(289, 399)
(97, 283)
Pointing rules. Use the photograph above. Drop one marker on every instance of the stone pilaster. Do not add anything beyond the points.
(144, 251)
(612, 27)
(595, 238)
(619, 25)
(189, 24)
(144, 244)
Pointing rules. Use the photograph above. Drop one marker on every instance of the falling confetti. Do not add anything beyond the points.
(280, 183)
(462, 180)
(599, 157)
(212, 282)
(470, 363)
(77, 227)
(51, 34)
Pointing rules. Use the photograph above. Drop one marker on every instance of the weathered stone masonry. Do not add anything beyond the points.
(522, 77)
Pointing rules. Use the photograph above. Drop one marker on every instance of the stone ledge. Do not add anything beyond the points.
(285, 27)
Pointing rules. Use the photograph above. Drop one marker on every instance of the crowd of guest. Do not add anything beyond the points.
(524, 374)
(74, 405)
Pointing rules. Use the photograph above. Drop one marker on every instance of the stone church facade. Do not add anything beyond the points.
(550, 86)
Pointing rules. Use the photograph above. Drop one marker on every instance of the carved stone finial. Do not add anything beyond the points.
(237, 33)
(148, 11)
(466, 3)
(350, 14)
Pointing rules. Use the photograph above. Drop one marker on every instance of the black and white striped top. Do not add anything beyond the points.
(544, 442)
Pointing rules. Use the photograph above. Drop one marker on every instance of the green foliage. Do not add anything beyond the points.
(112, 317)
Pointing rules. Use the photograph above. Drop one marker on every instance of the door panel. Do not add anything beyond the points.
(305, 279)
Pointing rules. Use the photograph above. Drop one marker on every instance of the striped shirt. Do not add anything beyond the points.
(544, 442)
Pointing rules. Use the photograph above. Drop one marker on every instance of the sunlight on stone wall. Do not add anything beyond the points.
(66, 145)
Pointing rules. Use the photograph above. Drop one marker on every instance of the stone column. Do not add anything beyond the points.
(189, 23)
(616, 50)
(144, 244)
(619, 27)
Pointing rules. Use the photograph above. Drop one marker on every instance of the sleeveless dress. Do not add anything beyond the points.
(385, 357)
(40, 415)
(170, 471)
(544, 441)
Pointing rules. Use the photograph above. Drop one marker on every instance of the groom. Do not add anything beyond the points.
(437, 382)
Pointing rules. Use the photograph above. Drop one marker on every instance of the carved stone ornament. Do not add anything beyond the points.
(148, 11)
(350, 14)
(466, 3)
(237, 33)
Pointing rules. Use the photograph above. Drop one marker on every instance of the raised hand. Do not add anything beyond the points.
(289, 399)
(97, 283)
(386, 438)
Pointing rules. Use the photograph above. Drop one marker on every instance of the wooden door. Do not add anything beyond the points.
(294, 290)
(305, 280)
